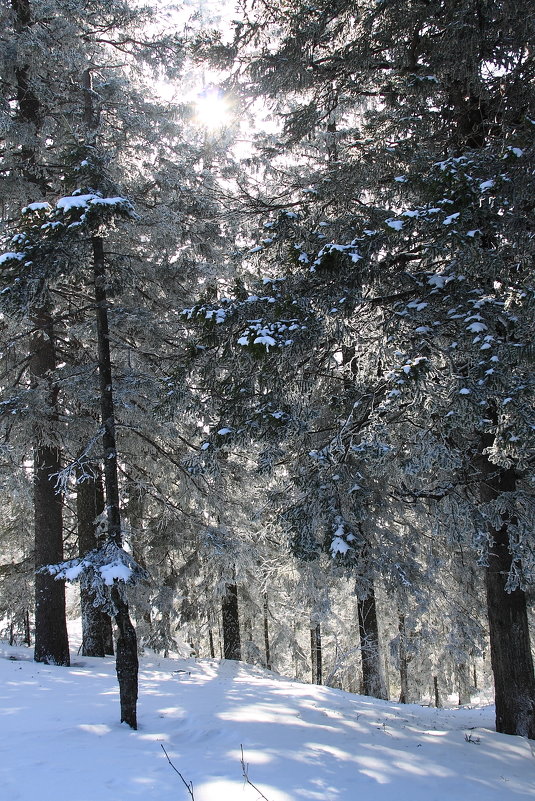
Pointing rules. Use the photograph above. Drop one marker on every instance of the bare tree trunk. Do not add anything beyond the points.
(126, 660)
(27, 631)
(266, 632)
(404, 659)
(231, 623)
(510, 649)
(97, 635)
(373, 679)
(438, 702)
(316, 654)
(51, 641)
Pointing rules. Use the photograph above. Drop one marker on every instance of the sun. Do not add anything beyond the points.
(212, 109)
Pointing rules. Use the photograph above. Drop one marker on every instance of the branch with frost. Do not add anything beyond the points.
(100, 569)
(80, 463)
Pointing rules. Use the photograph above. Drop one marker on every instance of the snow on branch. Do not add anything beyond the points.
(100, 569)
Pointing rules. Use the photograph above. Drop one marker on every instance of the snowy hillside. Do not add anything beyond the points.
(60, 739)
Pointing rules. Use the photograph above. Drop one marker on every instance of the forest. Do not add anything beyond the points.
(266, 340)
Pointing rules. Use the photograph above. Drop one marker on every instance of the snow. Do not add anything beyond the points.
(83, 201)
(75, 202)
(5, 257)
(115, 570)
(265, 339)
(397, 225)
(476, 328)
(438, 281)
(36, 207)
(60, 738)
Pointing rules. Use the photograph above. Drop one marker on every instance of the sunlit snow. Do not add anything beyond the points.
(60, 738)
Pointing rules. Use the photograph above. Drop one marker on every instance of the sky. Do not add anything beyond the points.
(61, 740)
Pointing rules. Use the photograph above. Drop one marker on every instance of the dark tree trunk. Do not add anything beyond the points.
(51, 641)
(231, 623)
(27, 631)
(126, 660)
(316, 654)
(438, 702)
(97, 634)
(266, 632)
(373, 680)
(404, 659)
(510, 651)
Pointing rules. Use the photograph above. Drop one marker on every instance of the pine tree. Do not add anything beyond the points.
(412, 232)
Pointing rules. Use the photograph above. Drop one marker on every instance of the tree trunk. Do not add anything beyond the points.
(316, 654)
(266, 632)
(126, 659)
(373, 679)
(231, 623)
(438, 702)
(463, 683)
(51, 641)
(404, 659)
(27, 631)
(97, 635)
(510, 651)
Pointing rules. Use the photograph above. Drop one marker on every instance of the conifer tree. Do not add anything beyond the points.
(409, 266)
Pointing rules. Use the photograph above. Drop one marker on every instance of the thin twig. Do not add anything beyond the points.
(245, 769)
(190, 785)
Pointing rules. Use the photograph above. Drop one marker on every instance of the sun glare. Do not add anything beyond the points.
(212, 109)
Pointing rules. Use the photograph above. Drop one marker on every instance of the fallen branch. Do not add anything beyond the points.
(188, 786)
(245, 769)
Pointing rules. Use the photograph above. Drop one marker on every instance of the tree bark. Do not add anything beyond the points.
(404, 659)
(438, 702)
(97, 634)
(316, 654)
(510, 650)
(266, 632)
(373, 679)
(231, 623)
(51, 641)
(126, 660)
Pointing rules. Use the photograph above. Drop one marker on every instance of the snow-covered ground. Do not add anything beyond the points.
(60, 739)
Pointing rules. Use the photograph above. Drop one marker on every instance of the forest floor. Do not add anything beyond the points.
(60, 739)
